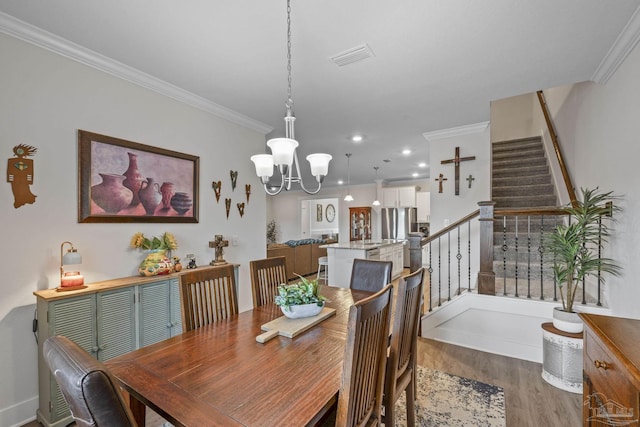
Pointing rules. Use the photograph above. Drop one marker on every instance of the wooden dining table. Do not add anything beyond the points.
(218, 375)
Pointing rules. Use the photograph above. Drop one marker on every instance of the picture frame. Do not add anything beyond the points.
(125, 181)
(319, 212)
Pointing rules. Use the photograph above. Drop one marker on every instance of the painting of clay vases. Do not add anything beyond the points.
(150, 196)
(181, 202)
(168, 190)
(111, 195)
(133, 179)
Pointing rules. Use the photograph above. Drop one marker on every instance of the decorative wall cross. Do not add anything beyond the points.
(456, 161)
(219, 244)
(440, 179)
(470, 178)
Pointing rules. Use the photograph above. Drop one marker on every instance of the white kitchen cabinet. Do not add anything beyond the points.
(399, 197)
(423, 203)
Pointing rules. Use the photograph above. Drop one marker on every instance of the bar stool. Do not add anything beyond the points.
(323, 269)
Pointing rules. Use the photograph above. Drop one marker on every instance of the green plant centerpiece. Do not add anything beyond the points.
(157, 261)
(300, 299)
(577, 245)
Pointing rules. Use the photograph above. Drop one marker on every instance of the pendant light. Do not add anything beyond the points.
(283, 150)
(376, 202)
(348, 197)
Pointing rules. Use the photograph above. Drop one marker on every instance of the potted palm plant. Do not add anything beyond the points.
(576, 247)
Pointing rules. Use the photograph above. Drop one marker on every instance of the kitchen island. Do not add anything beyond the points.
(341, 256)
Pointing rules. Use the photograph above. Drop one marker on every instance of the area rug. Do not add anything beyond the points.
(449, 400)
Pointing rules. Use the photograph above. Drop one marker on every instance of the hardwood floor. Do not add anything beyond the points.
(529, 400)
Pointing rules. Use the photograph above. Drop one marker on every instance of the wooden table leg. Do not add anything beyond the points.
(138, 409)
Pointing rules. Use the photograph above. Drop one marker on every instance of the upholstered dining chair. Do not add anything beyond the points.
(370, 275)
(207, 295)
(266, 275)
(401, 360)
(360, 396)
(86, 385)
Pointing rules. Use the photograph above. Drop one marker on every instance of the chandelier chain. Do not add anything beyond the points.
(289, 103)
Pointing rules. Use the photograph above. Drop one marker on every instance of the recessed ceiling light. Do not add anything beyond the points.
(422, 165)
(340, 182)
(357, 138)
(415, 174)
(406, 151)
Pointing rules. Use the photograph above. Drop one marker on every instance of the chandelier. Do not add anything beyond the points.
(283, 150)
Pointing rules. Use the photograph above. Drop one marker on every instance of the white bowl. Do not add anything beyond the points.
(303, 310)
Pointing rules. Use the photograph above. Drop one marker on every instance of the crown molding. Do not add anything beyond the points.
(619, 51)
(458, 131)
(46, 40)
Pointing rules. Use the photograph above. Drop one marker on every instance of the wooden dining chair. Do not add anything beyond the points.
(401, 360)
(88, 388)
(370, 275)
(207, 295)
(266, 275)
(360, 397)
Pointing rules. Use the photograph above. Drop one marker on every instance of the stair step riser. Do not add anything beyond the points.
(530, 190)
(533, 273)
(519, 162)
(525, 202)
(521, 180)
(529, 153)
(523, 171)
(517, 142)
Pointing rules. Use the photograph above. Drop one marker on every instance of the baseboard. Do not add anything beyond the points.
(19, 414)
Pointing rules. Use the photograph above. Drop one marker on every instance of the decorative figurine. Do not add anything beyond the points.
(440, 179)
(217, 187)
(227, 202)
(219, 244)
(20, 175)
(234, 179)
(456, 161)
(470, 178)
(192, 261)
(241, 209)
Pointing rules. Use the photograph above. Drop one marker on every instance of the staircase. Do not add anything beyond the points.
(521, 179)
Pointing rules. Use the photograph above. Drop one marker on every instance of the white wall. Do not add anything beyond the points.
(598, 125)
(447, 208)
(515, 117)
(45, 99)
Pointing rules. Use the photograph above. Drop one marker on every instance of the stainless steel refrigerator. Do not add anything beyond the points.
(397, 223)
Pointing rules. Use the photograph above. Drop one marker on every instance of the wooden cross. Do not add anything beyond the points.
(218, 243)
(470, 178)
(456, 161)
(440, 179)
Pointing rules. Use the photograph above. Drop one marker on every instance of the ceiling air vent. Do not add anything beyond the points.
(352, 55)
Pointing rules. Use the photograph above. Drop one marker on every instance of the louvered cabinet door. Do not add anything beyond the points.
(116, 323)
(154, 312)
(75, 319)
(176, 307)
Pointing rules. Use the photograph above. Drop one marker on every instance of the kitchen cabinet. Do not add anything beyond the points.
(395, 254)
(360, 223)
(423, 203)
(611, 375)
(399, 197)
(107, 319)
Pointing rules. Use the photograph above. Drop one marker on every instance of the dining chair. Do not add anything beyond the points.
(207, 295)
(370, 275)
(266, 275)
(402, 358)
(90, 391)
(360, 396)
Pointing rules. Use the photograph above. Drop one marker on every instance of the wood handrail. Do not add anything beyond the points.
(530, 211)
(451, 227)
(556, 147)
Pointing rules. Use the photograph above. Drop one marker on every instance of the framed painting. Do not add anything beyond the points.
(124, 181)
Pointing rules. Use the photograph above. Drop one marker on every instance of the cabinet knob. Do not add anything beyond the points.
(601, 364)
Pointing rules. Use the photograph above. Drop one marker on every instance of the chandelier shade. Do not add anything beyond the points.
(283, 150)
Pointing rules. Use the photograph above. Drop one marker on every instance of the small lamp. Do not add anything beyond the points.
(72, 279)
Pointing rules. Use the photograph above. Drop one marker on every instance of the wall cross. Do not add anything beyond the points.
(456, 161)
(440, 179)
(219, 244)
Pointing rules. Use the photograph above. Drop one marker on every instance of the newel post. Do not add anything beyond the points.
(486, 276)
